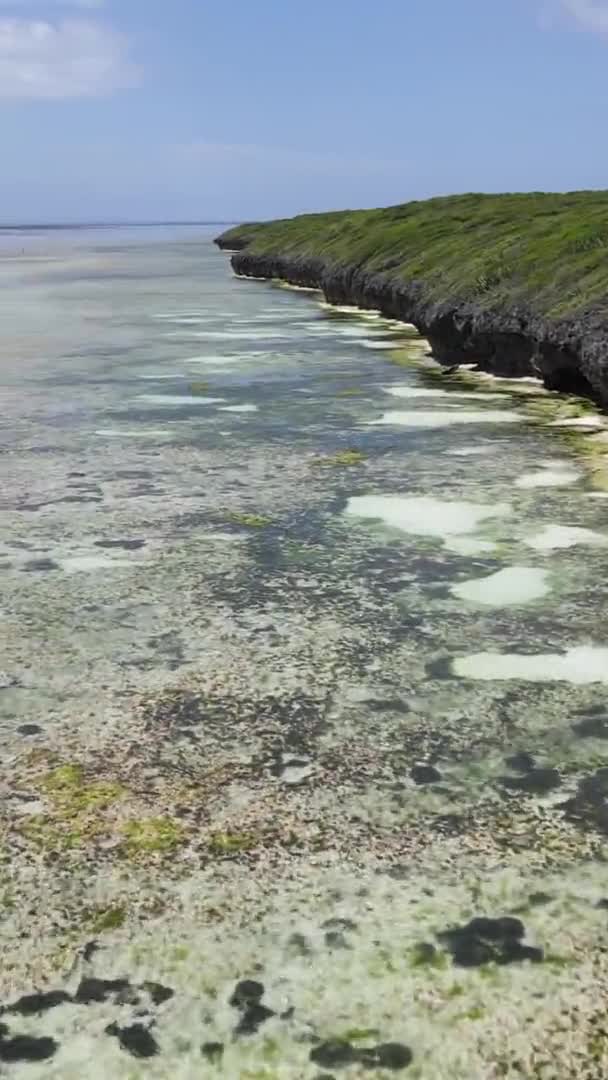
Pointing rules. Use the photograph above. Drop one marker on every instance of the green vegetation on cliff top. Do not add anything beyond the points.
(547, 252)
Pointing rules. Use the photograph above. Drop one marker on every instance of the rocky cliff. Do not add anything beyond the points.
(509, 336)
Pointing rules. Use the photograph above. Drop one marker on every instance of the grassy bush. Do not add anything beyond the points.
(548, 252)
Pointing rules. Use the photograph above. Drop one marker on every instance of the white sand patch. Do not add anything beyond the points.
(373, 314)
(450, 522)
(171, 375)
(425, 418)
(548, 477)
(347, 309)
(334, 328)
(465, 545)
(367, 313)
(591, 422)
(317, 329)
(191, 320)
(554, 537)
(287, 285)
(580, 665)
(176, 316)
(379, 332)
(132, 433)
(473, 451)
(514, 585)
(230, 335)
(525, 380)
(523, 386)
(87, 563)
(221, 359)
(362, 332)
(238, 408)
(405, 343)
(428, 392)
(179, 399)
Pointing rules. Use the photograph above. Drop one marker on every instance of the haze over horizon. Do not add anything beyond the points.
(143, 111)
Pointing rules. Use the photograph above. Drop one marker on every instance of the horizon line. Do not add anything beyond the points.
(105, 224)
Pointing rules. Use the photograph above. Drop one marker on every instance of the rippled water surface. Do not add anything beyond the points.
(304, 665)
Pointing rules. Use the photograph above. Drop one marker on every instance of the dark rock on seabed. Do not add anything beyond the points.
(213, 1051)
(485, 940)
(93, 990)
(247, 998)
(425, 774)
(135, 1039)
(34, 1004)
(589, 804)
(252, 1019)
(247, 992)
(29, 729)
(521, 762)
(339, 1054)
(24, 1047)
(534, 782)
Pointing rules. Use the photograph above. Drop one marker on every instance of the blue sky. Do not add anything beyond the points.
(234, 109)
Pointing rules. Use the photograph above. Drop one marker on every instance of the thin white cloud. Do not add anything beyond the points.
(68, 59)
(84, 5)
(587, 14)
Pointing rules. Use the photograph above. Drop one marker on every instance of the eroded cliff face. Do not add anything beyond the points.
(568, 355)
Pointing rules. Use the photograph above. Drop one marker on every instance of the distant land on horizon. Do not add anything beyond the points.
(55, 225)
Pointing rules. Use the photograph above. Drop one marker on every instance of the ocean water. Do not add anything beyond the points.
(304, 665)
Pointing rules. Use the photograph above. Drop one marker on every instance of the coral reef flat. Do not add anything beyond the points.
(304, 716)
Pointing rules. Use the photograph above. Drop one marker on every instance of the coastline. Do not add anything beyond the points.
(504, 330)
(573, 408)
(561, 355)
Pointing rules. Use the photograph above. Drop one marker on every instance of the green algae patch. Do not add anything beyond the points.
(407, 357)
(427, 956)
(107, 919)
(65, 778)
(250, 521)
(51, 835)
(584, 437)
(76, 809)
(593, 447)
(73, 796)
(231, 843)
(355, 1034)
(343, 458)
(259, 1075)
(198, 388)
(557, 407)
(476, 1012)
(152, 836)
